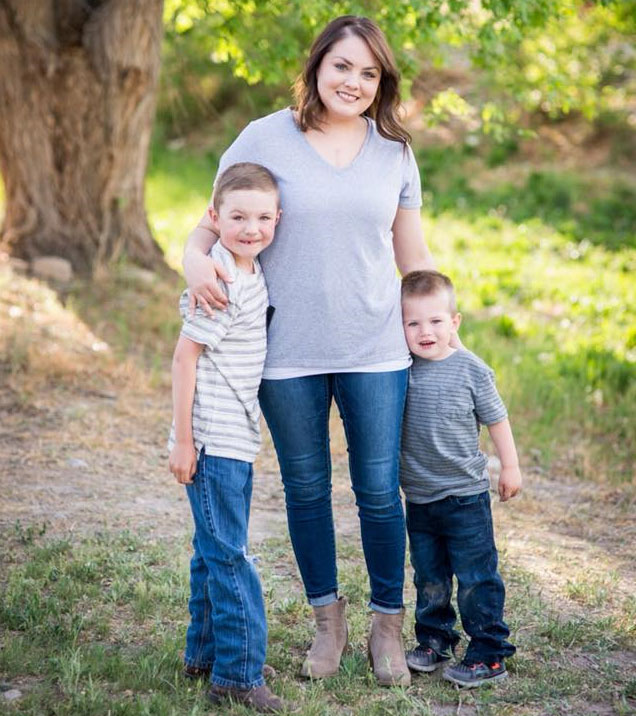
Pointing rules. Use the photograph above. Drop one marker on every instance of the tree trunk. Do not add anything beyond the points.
(78, 82)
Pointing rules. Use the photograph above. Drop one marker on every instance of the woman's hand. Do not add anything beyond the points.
(202, 274)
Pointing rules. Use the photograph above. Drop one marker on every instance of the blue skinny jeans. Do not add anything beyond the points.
(371, 407)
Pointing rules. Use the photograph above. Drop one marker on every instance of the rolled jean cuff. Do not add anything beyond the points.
(383, 609)
(324, 599)
(232, 684)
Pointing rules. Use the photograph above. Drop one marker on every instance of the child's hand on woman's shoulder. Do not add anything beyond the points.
(183, 462)
(509, 482)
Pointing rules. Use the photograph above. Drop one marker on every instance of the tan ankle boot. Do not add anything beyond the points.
(330, 641)
(386, 651)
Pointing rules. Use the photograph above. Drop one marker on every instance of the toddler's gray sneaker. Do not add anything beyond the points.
(472, 675)
(423, 658)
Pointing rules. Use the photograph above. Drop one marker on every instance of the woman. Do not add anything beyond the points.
(350, 195)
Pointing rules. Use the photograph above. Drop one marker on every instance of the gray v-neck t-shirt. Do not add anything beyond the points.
(330, 270)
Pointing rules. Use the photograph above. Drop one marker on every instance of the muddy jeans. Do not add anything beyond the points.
(454, 536)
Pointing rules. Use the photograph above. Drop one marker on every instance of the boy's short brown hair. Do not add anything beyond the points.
(244, 176)
(428, 283)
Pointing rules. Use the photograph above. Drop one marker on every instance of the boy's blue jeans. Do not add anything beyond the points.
(455, 536)
(228, 629)
(371, 406)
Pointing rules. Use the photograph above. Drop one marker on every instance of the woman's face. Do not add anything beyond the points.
(348, 78)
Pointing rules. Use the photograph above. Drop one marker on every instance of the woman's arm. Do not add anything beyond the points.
(201, 272)
(411, 251)
(409, 247)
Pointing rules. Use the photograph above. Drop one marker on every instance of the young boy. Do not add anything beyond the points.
(444, 477)
(216, 371)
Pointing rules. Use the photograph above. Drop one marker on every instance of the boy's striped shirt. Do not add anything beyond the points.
(225, 413)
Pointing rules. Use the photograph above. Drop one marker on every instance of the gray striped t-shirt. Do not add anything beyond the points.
(225, 413)
(447, 402)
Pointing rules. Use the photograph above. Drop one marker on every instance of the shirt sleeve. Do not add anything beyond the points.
(203, 329)
(411, 191)
(489, 406)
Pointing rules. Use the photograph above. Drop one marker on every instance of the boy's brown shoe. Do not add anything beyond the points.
(196, 672)
(260, 698)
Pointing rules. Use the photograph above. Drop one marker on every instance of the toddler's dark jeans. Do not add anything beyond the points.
(454, 536)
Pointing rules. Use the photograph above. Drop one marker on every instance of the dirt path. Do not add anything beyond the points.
(88, 462)
(83, 433)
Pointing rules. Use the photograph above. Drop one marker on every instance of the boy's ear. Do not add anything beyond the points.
(280, 213)
(456, 321)
(214, 218)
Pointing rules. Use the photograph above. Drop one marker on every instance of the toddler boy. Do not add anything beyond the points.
(216, 372)
(445, 480)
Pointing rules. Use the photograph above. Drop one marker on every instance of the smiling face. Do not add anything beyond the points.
(246, 221)
(348, 79)
(429, 325)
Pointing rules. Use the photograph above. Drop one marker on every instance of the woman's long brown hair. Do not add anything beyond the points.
(385, 106)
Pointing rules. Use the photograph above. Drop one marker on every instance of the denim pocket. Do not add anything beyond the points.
(468, 499)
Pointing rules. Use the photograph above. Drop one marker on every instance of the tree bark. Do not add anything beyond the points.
(78, 82)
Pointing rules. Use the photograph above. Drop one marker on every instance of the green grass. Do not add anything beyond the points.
(178, 187)
(581, 206)
(96, 626)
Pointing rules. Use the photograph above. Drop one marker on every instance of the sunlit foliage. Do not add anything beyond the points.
(555, 56)
(582, 60)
